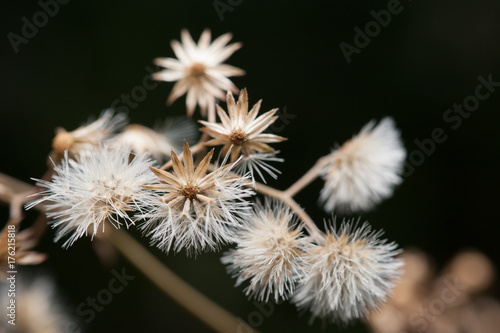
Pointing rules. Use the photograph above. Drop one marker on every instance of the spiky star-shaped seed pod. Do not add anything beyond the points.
(196, 210)
(242, 132)
(199, 71)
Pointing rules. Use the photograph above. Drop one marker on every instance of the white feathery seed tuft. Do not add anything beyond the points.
(103, 185)
(241, 131)
(365, 169)
(268, 252)
(350, 271)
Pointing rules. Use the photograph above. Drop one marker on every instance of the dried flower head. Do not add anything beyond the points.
(242, 130)
(23, 247)
(200, 71)
(88, 136)
(350, 271)
(197, 210)
(157, 143)
(39, 308)
(365, 169)
(103, 185)
(268, 252)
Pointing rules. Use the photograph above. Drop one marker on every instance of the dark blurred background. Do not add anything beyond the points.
(419, 65)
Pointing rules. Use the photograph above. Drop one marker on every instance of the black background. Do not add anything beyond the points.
(426, 59)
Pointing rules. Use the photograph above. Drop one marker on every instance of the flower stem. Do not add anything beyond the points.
(307, 178)
(207, 311)
(16, 193)
(203, 308)
(284, 197)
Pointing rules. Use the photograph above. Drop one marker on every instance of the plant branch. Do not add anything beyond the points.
(15, 193)
(301, 213)
(203, 308)
(307, 178)
(13, 190)
(284, 197)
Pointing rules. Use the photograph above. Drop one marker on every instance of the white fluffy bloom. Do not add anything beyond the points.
(350, 271)
(157, 143)
(268, 252)
(197, 210)
(199, 71)
(102, 185)
(365, 169)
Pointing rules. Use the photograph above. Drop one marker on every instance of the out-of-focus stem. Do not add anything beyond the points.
(207, 311)
(203, 308)
(14, 192)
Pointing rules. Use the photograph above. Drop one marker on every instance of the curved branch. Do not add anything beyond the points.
(199, 305)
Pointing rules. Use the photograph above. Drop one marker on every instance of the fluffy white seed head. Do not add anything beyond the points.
(364, 170)
(268, 252)
(196, 211)
(350, 271)
(103, 185)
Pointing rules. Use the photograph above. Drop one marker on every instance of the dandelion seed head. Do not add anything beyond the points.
(364, 170)
(268, 252)
(350, 271)
(100, 186)
(257, 164)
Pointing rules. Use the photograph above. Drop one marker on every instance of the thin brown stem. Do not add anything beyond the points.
(203, 308)
(172, 285)
(307, 178)
(299, 211)
(16, 193)
(284, 197)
